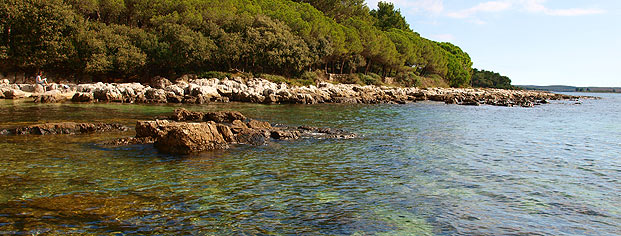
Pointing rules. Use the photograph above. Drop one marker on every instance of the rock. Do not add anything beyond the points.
(181, 137)
(4, 82)
(156, 95)
(67, 128)
(160, 82)
(469, 102)
(252, 137)
(182, 114)
(155, 129)
(191, 100)
(185, 138)
(224, 116)
(27, 87)
(285, 134)
(176, 89)
(131, 141)
(238, 125)
(50, 97)
(262, 125)
(39, 88)
(210, 93)
(14, 94)
(226, 133)
(111, 94)
(82, 97)
(173, 98)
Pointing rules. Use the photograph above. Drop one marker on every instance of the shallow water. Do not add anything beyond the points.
(417, 169)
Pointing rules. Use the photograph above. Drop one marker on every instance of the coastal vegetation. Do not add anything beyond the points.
(132, 40)
(490, 79)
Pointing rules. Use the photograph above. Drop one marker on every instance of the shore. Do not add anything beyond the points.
(257, 90)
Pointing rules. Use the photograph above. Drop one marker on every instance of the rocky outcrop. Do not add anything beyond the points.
(218, 117)
(189, 132)
(184, 138)
(65, 128)
(192, 90)
(50, 97)
(14, 94)
(82, 97)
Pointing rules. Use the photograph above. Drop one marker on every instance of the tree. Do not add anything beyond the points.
(38, 33)
(131, 38)
(388, 18)
(490, 79)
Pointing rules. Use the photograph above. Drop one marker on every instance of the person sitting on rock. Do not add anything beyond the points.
(40, 80)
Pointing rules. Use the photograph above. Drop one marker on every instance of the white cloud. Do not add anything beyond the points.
(472, 14)
(537, 6)
(575, 12)
(533, 6)
(492, 6)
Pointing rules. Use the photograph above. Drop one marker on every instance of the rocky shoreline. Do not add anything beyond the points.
(192, 90)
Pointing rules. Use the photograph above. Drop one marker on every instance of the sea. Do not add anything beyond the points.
(424, 168)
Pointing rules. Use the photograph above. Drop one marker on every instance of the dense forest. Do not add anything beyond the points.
(135, 39)
(490, 79)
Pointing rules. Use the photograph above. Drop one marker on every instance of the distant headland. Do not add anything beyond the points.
(566, 88)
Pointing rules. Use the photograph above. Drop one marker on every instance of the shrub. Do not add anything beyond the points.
(434, 81)
(214, 74)
(274, 78)
(370, 79)
(351, 79)
(408, 79)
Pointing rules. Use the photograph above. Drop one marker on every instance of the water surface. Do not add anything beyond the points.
(416, 169)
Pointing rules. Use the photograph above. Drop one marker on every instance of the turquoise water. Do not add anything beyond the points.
(416, 169)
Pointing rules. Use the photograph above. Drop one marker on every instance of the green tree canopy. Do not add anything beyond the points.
(387, 17)
(142, 38)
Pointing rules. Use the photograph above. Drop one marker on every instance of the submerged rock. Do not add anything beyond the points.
(252, 137)
(66, 128)
(224, 116)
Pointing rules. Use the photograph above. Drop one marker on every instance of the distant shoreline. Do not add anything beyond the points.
(567, 88)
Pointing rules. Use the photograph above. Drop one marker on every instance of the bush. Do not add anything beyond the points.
(214, 74)
(408, 79)
(433, 81)
(350, 79)
(313, 76)
(370, 79)
(274, 78)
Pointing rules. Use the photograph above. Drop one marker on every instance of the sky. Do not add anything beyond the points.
(533, 42)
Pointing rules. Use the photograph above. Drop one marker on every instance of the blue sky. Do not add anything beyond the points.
(542, 42)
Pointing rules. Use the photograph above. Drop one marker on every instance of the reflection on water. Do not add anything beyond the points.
(418, 169)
